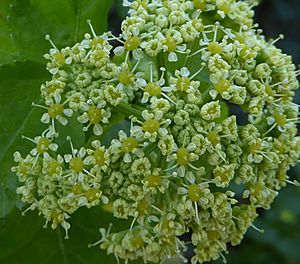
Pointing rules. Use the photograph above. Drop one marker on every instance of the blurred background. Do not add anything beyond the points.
(280, 242)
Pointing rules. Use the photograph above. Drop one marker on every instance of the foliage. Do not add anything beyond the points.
(23, 26)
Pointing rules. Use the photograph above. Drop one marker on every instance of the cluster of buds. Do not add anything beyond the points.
(180, 162)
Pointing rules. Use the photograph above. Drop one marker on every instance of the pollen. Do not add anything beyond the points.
(143, 207)
(154, 180)
(126, 77)
(94, 115)
(213, 137)
(280, 119)
(92, 194)
(200, 4)
(59, 59)
(215, 48)
(53, 167)
(129, 144)
(194, 193)
(170, 43)
(76, 164)
(183, 84)
(99, 156)
(222, 86)
(43, 145)
(55, 110)
(153, 89)
(151, 126)
(132, 43)
(183, 156)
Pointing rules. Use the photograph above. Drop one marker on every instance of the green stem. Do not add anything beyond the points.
(188, 60)
(149, 148)
(206, 96)
(128, 110)
(163, 162)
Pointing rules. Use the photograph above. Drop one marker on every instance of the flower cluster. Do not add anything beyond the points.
(180, 162)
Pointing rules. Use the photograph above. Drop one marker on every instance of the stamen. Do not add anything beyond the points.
(63, 187)
(272, 127)
(163, 94)
(87, 172)
(66, 227)
(117, 258)
(74, 151)
(285, 81)
(193, 167)
(228, 33)
(216, 31)
(132, 224)
(88, 54)
(104, 235)
(67, 175)
(30, 139)
(222, 246)
(294, 104)
(157, 209)
(31, 207)
(197, 214)
(127, 56)
(40, 106)
(257, 229)
(151, 72)
(223, 258)
(281, 36)
(236, 218)
(163, 70)
(144, 255)
(47, 37)
(46, 223)
(34, 163)
(293, 119)
(185, 260)
(91, 27)
(136, 65)
(265, 155)
(295, 183)
(196, 73)
(196, 52)
(220, 155)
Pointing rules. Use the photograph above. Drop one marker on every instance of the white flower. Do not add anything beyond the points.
(94, 116)
(98, 157)
(56, 111)
(126, 146)
(151, 127)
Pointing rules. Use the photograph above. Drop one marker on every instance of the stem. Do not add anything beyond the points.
(206, 96)
(149, 148)
(188, 60)
(128, 109)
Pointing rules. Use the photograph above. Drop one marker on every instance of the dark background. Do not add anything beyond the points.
(280, 242)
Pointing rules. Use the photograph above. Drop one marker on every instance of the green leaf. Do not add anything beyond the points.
(24, 24)
(18, 89)
(29, 242)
